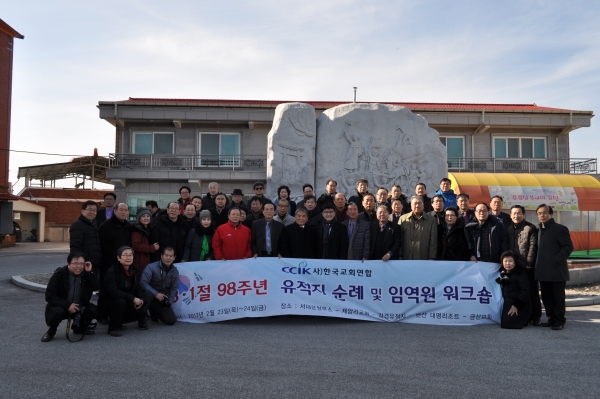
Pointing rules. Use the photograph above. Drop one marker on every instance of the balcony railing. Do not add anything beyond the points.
(186, 162)
(524, 165)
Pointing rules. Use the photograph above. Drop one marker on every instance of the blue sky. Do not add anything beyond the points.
(77, 53)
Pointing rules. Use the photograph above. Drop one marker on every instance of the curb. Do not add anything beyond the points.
(21, 282)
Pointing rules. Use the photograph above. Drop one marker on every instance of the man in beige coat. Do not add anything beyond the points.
(419, 233)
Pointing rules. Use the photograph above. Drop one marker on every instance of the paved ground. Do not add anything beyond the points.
(287, 357)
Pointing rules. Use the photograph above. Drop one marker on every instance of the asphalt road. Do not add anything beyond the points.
(286, 357)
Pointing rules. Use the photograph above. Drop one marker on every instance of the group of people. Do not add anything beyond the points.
(132, 263)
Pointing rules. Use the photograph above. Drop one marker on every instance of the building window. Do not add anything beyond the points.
(519, 147)
(153, 143)
(219, 149)
(136, 202)
(455, 149)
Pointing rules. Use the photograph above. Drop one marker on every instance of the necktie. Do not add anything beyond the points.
(381, 227)
(350, 230)
(268, 237)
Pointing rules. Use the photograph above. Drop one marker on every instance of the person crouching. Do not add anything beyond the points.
(68, 293)
(161, 279)
(122, 298)
(515, 290)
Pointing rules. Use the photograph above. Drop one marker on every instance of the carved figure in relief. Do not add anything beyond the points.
(351, 161)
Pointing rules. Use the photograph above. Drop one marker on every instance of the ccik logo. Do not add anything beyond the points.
(301, 269)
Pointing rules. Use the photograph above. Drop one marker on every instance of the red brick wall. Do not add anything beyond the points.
(62, 213)
(6, 57)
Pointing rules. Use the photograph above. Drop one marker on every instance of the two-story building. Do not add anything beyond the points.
(162, 144)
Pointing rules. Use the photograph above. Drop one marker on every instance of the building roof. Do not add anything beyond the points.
(4, 27)
(464, 107)
(8, 197)
(49, 193)
(81, 166)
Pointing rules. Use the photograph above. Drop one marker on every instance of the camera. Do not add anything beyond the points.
(166, 302)
(77, 322)
(503, 279)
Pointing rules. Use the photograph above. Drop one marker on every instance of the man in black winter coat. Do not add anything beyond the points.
(69, 292)
(299, 239)
(487, 237)
(551, 269)
(332, 236)
(170, 231)
(84, 237)
(114, 234)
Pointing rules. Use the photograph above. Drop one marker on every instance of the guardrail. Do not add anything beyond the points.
(186, 162)
(524, 165)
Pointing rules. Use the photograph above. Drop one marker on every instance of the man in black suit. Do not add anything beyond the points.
(368, 214)
(496, 206)
(299, 240)
(109, 207)
(466, 215)
(386, 237)
(551, 269)
(332, 235)
(266, 234)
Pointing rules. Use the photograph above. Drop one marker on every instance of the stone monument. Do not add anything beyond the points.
(385, 144)
(291, 149)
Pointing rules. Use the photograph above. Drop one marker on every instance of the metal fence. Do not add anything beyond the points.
(526, 165)
(186, 162)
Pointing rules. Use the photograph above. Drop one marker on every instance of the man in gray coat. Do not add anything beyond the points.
(551, 270)
(161, 279)
(359, 234)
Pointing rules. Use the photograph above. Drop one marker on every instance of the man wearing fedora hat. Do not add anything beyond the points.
(237, 200)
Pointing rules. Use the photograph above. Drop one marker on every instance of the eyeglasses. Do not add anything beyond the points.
(482, 211)
(450, 215)
(126, 255)
(78, 263)
(329, 211)
(259, 188)
(91, 210)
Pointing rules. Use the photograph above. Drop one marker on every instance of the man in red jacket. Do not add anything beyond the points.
(232, 240)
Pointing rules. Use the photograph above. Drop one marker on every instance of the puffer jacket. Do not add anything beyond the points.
(522, 240)
(193, 244)
(157, 278)
(84, 238)
(232, 242)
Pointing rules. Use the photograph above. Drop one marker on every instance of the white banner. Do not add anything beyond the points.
(426, 292)
(559, 198)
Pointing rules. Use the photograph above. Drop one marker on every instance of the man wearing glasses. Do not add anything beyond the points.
(84, 235)
(259, 191)
(487, 237)
(69, 292)
(161, 279)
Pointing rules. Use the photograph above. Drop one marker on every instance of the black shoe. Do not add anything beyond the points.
(547, 324)
(115, 333)
(49, 335)
(143, 325)
(536, 322)
(92, 326)
(558, 327)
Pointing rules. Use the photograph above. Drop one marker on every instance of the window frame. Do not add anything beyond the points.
(133, 141)
(456, 164)
(228, 160)
(520, 138)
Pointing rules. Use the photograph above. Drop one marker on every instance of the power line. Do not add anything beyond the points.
(43, 153)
